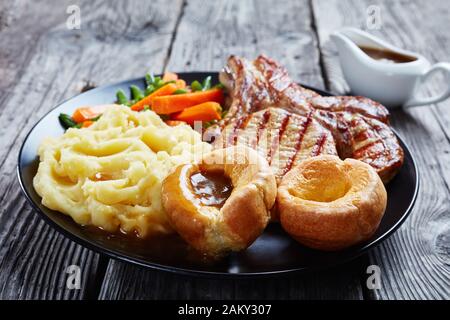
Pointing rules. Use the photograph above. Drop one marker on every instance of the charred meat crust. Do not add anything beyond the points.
(357, 126)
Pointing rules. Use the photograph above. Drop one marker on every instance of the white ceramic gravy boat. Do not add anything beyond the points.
(392, 84)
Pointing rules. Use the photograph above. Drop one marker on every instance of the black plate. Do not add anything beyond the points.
(273, 253)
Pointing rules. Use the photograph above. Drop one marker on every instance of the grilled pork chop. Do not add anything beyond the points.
(283, 138)
(358, 125)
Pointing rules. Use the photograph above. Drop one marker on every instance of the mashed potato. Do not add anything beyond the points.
(109, 175)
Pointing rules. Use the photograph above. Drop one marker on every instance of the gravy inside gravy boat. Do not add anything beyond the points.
(383, 72)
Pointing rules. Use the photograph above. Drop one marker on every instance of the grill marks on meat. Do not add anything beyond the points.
(249, 90)
(356, 105)
(378, 147)
(335, 122)
(301, 134)
(261, 127)
(282, 90)
(283, 138)
(277, 137)
(236, 127)
(357, 127)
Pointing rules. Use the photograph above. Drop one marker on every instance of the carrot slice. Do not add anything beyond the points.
(206, 111)
(87, 123)
(147, 101)
(169, 76)
(181, 84)
(176, 103)
(174, 123)
(86, 113)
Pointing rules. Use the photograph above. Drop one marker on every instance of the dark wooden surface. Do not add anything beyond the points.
(43, 63)
(415, 261)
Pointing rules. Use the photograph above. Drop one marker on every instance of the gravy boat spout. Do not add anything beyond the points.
(378, 70)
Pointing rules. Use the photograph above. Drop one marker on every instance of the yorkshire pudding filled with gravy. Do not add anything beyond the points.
(222, 203)
(329, 204)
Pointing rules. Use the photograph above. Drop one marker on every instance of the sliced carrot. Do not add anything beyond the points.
(174, 123)
(181, 84)
(87, 123)
(147, 101)
(169, 76)
(206, 111)
(86, 113)
(178, 102)
(80, 115)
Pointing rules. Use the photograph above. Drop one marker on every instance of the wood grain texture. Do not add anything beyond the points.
(415, 261)
(116, 41)
(119, 40)
(125, 281)
(204, 39)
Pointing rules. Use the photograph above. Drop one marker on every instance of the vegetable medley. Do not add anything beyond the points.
(169, 96)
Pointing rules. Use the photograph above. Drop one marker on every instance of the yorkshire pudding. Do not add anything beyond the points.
(329, 204)
(222, 203)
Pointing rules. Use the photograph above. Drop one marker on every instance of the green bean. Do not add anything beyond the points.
(67, 121)
(179, 91)
(206, 85)
(149, 90)
(121, 97)
(149, 78)
(196, 86)
(136, 93)
(157, 82)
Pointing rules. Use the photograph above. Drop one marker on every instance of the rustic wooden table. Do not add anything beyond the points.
(42, 63)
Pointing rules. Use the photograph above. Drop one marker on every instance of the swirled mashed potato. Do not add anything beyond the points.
(109, 175)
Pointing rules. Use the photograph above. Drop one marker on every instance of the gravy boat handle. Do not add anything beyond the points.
(415, 101)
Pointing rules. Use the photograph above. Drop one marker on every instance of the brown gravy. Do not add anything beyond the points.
(212, 187)
(386, 55)
(159, 248)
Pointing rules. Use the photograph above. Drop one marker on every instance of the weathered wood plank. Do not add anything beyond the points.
(206, 37)
(208, 32)
(125, 281)
(19, 28)
(415, 260)
(116, 41)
